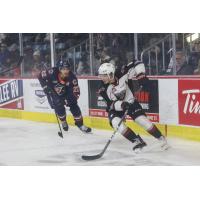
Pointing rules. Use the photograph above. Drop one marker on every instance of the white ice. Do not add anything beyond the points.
(33, 143)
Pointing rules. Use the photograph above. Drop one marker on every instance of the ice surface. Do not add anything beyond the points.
(33, 143)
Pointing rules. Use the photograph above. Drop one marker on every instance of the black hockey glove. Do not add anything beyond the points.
(47, 90)
(125, 105)
(143, 81)
(76, 91)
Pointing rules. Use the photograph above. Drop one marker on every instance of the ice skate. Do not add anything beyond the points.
(139, 144)
(65, 126)
(163, 143)
(85, 129)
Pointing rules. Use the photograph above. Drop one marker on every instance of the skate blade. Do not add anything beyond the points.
(152, 148)
(140, 150)
(165, 147)
(87, 132)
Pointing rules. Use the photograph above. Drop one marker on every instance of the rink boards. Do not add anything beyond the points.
(172, 103)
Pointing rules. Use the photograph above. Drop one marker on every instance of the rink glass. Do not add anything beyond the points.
(86, 52)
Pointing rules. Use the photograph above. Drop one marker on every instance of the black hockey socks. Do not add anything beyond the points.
(155, 132)
(62, 118)
(130, 135)
(78, 121)
(135, 139)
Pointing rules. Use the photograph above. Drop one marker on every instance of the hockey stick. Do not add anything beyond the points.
(59, 132)
(52, 103)
(12, 68)
(97, 156)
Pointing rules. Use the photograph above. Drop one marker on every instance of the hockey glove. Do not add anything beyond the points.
(110, 106)
(125, 105)
(47, 90)
(76, 91)
(143, 81)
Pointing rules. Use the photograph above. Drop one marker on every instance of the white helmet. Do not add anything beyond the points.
(106, 69)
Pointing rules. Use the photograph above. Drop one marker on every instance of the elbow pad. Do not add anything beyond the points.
(143, 80)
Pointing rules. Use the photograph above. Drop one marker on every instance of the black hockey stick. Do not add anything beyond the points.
(52, 103)
(59, 132)
(97, 156)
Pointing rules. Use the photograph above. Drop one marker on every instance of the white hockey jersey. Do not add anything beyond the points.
(114, 94)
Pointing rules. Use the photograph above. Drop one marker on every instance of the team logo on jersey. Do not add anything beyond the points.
(59, 89)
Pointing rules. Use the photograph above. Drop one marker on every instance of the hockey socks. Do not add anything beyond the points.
(81, 126)
(130, 135)
(154, 132)
(135, 139)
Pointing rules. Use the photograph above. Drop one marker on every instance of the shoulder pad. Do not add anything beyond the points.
(134, 63)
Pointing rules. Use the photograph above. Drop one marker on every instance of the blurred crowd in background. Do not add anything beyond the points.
(155, 50)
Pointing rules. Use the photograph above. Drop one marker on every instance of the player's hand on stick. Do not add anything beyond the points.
(125, 105)
(47, 90)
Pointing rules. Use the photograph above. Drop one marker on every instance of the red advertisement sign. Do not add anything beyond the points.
(148, 100)
(189, 102)
(154, 117)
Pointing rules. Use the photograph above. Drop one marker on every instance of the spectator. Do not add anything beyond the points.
(129, 56)
(83, 68)
(182, 66)
(197, 71)
(14, 54)
(28, 59)
(36, 59)
(47, 37)
(2, 37)
(4, 56)
(105, 56)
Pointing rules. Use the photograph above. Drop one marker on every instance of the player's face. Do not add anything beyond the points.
(105, 78)
(64, 73)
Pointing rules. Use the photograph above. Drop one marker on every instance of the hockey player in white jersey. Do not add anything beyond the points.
(116, 90)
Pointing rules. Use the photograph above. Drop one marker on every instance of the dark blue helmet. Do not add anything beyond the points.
(64, 64)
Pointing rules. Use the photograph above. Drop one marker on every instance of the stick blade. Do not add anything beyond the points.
(93, 157)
